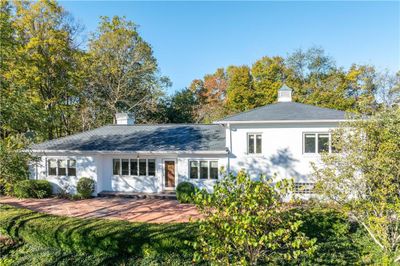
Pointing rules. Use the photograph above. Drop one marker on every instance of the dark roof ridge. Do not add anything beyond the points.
(247, 111)
(165, 124)
(277, 103)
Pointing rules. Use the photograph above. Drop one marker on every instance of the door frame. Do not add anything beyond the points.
(163, 173)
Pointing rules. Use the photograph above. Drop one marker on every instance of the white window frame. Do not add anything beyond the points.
(304, 188)
(316, 141)
(208, 169)
(255, 143)
(57, 166)
(138, 167)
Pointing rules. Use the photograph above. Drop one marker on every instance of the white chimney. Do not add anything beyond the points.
(284, 94)
(124, 119)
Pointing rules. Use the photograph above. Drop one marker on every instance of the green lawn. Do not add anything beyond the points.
(43, 239)
(99, 240)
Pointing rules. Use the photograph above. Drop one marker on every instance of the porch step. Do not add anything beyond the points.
(139, 195)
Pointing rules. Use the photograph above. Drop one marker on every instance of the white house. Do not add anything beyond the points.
(281, 138)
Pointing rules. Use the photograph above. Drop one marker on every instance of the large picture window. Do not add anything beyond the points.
(61, 167)
(203, 169)
(316, 142)
(134, 167)
(254, 143)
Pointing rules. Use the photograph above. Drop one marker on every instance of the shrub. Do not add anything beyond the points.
(13, 162)
(185, 192)
(339, 240)
(33, 189)
(246, 221)
(85, 187)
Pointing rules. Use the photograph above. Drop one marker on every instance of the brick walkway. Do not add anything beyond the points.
(141, 210)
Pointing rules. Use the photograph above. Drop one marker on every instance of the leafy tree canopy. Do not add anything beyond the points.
(363, 178)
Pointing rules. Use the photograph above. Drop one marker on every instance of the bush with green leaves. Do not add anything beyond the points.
(185, 192)
(13, 161)
(33, 189)
(339, 241)
(246, 222)
(363, 177)
(85, 187)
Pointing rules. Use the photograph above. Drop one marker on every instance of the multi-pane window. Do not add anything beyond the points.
(203, 169)
(213, 170)
(151, 164)
(254, 143)
(304, 188)
(61, 167)
(134, 167)
(125, 166)
(142, 167)
(317, 142)
(323, 143)
(71, 168)
(52, 164)
(194, 169)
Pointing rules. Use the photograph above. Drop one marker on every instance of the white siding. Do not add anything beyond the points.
(85, 167)
(282, 149)
(282, 154)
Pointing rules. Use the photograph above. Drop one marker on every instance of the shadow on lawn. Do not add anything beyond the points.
(112, 239)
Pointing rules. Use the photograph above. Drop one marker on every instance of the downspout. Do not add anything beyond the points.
(230, 148)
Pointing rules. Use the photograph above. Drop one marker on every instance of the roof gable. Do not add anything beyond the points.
(287, 111)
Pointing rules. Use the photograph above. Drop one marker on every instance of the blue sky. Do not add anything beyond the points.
(191, 39)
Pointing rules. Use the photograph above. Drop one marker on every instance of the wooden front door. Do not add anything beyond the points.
(169, 174)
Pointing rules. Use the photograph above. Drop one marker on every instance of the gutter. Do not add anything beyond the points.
(281, 121)
(127, 152)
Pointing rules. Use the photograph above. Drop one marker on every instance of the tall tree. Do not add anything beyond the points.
(268, 75)
(388, 91)
(123, 72)
(7, 49)
(241, 95)
(178, 108)
(211, 96)
(41, 71)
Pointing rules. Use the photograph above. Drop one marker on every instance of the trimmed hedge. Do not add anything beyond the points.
(185, 192)
(85, 187)
(116, 239)
(33, 189)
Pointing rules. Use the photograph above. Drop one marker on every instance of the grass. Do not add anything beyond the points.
(110, 240)
(41, 239)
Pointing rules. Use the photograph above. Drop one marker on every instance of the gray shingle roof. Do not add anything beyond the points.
(167, 137)
(287, 111)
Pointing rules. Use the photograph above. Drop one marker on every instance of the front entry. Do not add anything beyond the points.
(169, 175)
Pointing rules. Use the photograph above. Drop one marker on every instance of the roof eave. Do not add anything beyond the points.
(97, 152)
(280, 121)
